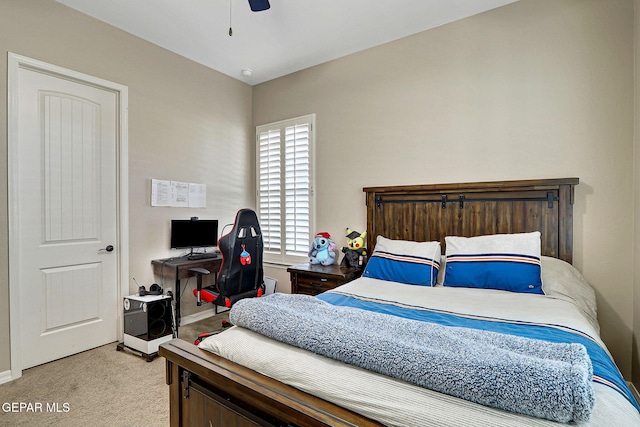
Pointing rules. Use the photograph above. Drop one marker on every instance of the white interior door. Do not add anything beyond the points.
(66, 160)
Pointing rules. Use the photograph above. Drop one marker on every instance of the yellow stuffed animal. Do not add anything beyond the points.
(355, 253)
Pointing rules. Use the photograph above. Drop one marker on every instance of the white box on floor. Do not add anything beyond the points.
(147, 322)
(269, 285)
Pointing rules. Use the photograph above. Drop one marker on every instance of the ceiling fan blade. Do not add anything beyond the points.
(259, 5)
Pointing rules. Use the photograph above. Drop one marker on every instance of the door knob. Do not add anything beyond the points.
(109, 248)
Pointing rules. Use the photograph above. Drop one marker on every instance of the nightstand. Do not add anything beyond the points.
(312, 279)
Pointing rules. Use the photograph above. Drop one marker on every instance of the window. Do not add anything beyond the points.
(285, 202)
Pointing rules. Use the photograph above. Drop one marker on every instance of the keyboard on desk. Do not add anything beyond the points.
(209, 255)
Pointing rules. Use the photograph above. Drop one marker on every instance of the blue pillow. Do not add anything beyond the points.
(413, 263)
(508, 262)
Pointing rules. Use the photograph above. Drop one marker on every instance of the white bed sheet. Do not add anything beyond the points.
(395, 402)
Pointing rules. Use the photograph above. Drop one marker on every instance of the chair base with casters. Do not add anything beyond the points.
(210, 294)
(203, 335)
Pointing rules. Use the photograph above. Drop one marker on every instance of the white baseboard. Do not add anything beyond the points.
(195, 317)
(5, 377)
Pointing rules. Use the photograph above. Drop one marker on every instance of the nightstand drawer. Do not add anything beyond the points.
(313, 285)
(313, 279)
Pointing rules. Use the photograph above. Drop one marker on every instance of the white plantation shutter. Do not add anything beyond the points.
(285, 188)
(297, 184)
(269, 190)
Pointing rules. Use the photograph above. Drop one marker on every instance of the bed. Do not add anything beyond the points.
(254, 379)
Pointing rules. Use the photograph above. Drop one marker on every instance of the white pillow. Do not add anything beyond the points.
(443, 267)
(564, 281)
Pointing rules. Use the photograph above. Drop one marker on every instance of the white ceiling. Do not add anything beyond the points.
(291, 36)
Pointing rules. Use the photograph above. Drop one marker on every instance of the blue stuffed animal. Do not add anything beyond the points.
(322, 250)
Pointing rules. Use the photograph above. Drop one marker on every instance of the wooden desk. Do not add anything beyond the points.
(178, 268)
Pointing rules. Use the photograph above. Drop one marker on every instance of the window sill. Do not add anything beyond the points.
(285, 264)
(279, 265)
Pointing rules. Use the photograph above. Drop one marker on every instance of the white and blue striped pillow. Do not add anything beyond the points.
(413, 263)
(509, 262)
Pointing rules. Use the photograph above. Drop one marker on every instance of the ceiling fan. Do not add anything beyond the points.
(259, 5)
(256, 6)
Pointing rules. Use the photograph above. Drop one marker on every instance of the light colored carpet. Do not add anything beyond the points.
(99, 387)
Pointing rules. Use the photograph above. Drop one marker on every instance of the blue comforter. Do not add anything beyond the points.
(605, 370)
(551, 380)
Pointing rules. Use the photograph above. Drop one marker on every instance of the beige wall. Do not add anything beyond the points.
(535, 89)
(539, 88)
(636, 222)
(186, 123)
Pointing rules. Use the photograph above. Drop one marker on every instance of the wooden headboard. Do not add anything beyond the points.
(431, 212)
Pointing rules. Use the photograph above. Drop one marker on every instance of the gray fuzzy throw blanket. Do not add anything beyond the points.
(526, 376)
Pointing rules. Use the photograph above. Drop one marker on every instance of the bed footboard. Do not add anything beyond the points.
(206, 389)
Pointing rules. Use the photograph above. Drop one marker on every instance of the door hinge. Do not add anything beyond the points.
(186, 382)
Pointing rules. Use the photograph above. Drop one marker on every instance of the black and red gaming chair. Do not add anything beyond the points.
(241, 272)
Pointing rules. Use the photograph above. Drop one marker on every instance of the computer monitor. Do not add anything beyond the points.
(194, 233)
